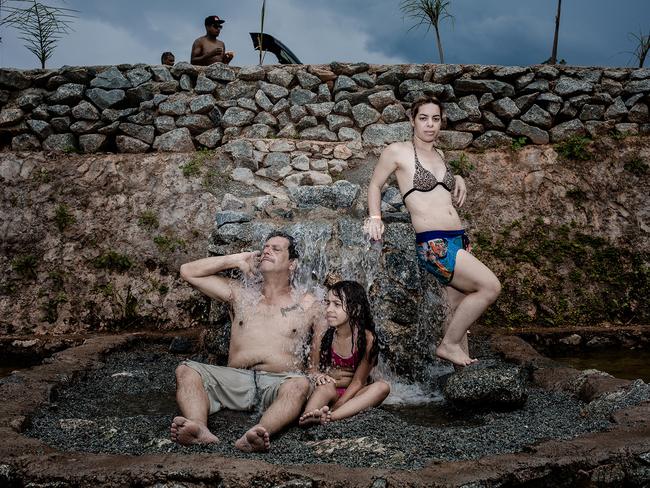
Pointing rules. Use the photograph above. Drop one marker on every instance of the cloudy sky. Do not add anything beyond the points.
(505, 32)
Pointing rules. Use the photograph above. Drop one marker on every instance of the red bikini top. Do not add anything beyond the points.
(351, 361)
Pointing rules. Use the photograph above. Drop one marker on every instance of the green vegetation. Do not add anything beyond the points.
(71, 150)
(197, 307)
(148, 220)
(428, 13)
(575, 148)
(462, 166)
(636, 167)
(194, 165)
(129, 307)
(113, 261)
(565, 275)
(642, 47)
(618, 135)
(43, 175)
(212, 178)
(25, 266)
(106, 289)
(51, 307)
(41, 26)
(168, 244)
(577, 195)
(57, 279)
(7, 289)
(62, 217)
(519, 142)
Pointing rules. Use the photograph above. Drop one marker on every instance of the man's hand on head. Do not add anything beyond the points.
(249, 261)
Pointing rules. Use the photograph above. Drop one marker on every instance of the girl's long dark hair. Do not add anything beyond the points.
(356, 306)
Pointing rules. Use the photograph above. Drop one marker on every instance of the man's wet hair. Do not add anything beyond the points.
(164, 55)
(293, 251)
(425, 100)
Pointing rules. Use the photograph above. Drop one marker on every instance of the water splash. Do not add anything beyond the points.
(362, 264)
(312, 239)
(356, 257)
(403, 392)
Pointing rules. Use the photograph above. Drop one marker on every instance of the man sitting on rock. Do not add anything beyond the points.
(268, 341)
(207, 49)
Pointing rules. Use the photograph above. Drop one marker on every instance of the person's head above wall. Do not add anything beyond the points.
(167, 58)
(213, 24)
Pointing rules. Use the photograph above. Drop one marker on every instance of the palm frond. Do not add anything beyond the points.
(41, 26)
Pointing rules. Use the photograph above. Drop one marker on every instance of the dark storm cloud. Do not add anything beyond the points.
(508, 32)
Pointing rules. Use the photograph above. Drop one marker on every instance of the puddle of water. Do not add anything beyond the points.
(149, 403)
(416, 405)
(435, 414)
(7, 368)
(626, 364)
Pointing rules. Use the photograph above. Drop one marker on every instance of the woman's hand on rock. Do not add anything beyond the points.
(373, 228)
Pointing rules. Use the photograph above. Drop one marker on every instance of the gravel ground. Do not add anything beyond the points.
(126, 407)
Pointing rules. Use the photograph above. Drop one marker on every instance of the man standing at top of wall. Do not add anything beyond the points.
(208, 49)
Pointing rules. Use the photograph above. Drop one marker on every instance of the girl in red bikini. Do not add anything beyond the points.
(343, 356)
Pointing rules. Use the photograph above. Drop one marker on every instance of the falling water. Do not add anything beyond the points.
(354, 256)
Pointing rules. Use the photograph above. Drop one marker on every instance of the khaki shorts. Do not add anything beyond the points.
(239, 389)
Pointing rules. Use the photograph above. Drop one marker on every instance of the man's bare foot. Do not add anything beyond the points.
(186, 432)
(256, 439)
(454, 354)
(320, 416)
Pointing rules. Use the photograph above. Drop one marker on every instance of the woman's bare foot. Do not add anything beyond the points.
(454, 354)
(256, 439)
(186, 432)
(320, 416)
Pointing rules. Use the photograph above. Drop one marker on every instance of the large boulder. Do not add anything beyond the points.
(339, 195)
(380, 134)
(111, 79)
(68, 94)
(487, 385)
(13, 79)
(60, 142)
(177, 140)
(105, 98)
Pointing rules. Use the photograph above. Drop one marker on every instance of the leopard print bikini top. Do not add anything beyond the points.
(425, 181)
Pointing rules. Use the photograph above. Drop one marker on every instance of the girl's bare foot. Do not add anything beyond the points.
(454, 354)
(186, 432)
(256, 439)
(320, 416)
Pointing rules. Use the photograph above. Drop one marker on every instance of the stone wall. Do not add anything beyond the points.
(143, 108)
(94, 241)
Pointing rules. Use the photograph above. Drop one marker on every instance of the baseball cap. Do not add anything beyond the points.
(214, 20)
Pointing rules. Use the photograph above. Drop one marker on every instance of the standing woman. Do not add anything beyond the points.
(427, 186)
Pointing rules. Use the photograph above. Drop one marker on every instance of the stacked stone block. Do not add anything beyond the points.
(142, 108)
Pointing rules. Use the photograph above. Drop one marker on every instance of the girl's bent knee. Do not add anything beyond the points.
(383, 387)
